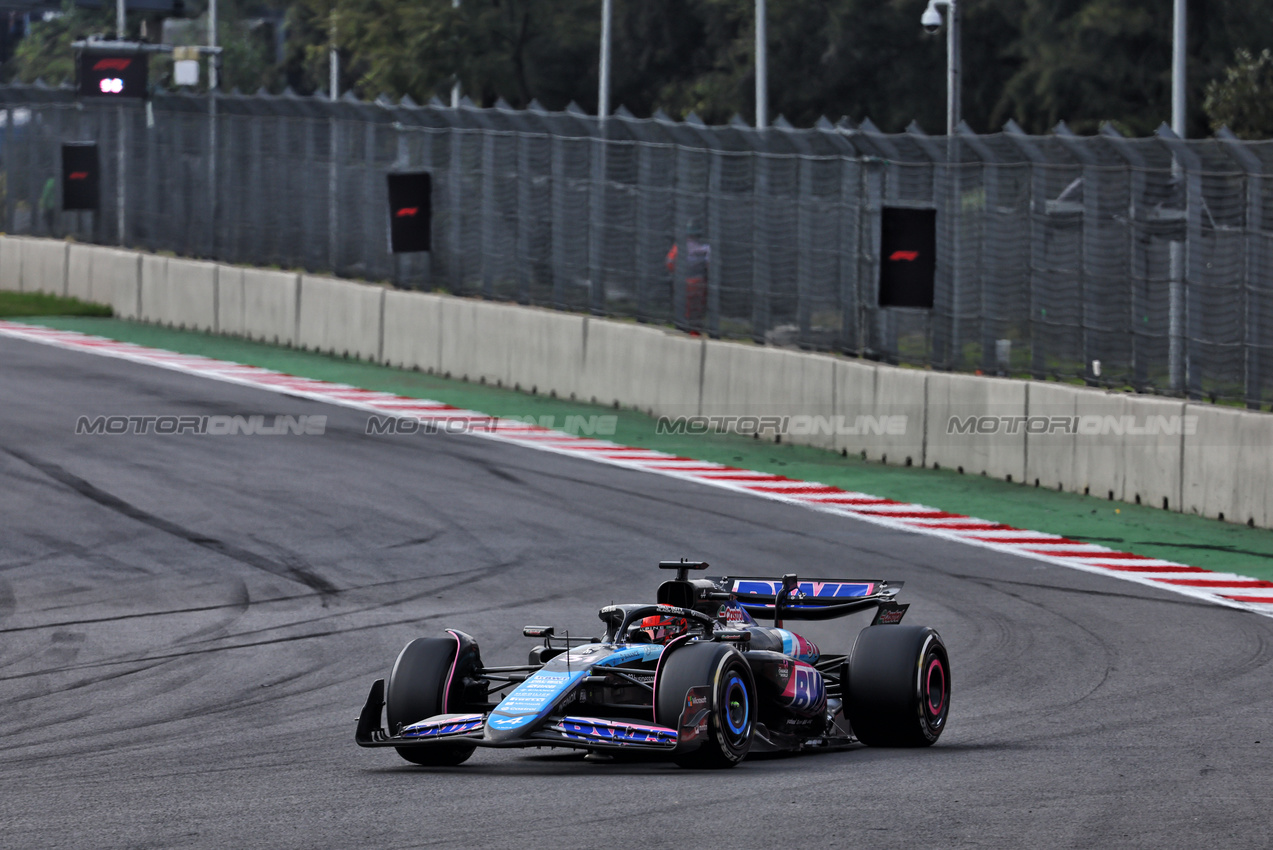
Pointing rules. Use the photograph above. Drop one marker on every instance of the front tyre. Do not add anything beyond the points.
(899, 686)
(417, 688)
(710, 687)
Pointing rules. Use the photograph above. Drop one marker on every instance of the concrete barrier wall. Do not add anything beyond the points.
(901, 393)
(230, 319)
(977, 424)
(192, 295)
(859, 423)
(154, 289)
(637, 366)
(474, 345)
(413, 330)
(1099, 464)
(44, 266)
(179, 293)
(1193, 457)
(751, 381)
(545, 348)
(340, 318)
(1227, 457)
(79, 271)
(1049, 454)
(117, 281)
(1152, 462)
(270, 302)
(11, 263)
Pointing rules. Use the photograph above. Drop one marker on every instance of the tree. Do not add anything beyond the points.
(46, 53)
(1242, 99)
(1088, 61)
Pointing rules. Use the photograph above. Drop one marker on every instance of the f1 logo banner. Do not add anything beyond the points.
(79, 176)
(113, 75)
(410, 211)
(908, 257)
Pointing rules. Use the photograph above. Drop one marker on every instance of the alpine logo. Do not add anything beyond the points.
(908, 256)
(112, 63)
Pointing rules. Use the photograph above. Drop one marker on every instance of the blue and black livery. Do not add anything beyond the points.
(726, 686)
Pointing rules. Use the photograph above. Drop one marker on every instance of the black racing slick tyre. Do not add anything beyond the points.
(415, 691)
(899, 686)
(713, 683)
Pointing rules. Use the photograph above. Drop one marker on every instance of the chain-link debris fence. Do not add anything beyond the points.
(1119, 262)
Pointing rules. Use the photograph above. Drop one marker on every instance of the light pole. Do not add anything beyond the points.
(1178, 367)
(932, 21)
(607, 25)
(333, 59)
(762, 68)
(455, 89)
(1178, 70)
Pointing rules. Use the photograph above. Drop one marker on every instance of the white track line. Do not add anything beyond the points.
(1228, 589)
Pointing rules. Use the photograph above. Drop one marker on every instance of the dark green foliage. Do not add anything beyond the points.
(1036, 61)
(1242, 99)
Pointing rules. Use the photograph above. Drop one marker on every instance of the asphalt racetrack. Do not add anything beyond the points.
(190, 625)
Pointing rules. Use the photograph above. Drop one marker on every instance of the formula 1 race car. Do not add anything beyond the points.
(692, 676)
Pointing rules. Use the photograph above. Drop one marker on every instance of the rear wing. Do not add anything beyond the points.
(813, 598)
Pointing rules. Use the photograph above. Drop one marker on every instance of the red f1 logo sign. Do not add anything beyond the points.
(410, 211)
(112, 63)
(908, 241)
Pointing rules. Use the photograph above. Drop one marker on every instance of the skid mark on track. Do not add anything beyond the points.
(195, 609)
(295, 571)
(416, 619)
(8, 601)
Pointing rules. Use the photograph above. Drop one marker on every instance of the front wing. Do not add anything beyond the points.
(589, 733)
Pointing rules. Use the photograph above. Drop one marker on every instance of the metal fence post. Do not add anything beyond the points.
(121, 142)
(458, 260)
(1138, 256)
(761, 264)
(525, 218)
(850, 209)
(1186, 269)
(1087, 254)
(1252, 236)
(333, 150)
(597, 222)
(715, 238)
(804, 248)
(489, 212)
(559, 228)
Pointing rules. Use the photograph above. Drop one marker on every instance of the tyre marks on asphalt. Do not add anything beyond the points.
(1227, 589)
(293, 569)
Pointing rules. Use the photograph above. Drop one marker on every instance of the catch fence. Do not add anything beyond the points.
(1115, 261)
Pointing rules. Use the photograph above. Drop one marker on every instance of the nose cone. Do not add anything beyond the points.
(527, 705)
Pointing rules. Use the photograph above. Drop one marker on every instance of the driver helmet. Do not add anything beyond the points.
(662, 629)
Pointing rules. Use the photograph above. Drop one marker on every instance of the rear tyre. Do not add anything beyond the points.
(899, 686)
(723, 676)
(415, 691)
